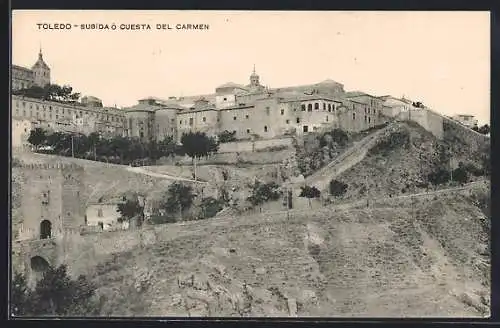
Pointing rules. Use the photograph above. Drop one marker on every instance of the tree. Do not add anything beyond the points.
(129, 209)
(37, 137)
(460, 174)
(167, 147)
(227, 136)
(178, 198)
(263, 192)
(337, 188)
(309, 193)
(197, 145)
(56, 294)
(439, 176)
(210, 207)
(485, 129)
(20, 296)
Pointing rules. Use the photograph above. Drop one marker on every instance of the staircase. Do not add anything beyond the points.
(346, 160)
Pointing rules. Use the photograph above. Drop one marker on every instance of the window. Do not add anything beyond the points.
(180, 121)
(282, 112)
(324, 106)
(303, 107)
(309, 107)
(37, 107)
(248, 130)
(57, 117)
(50, 107)
(246, 116)
(265, 128)
(353, 116)
(45, 198)
(24, 104)
(172, 120)
(316, 106)
(267, 110)
(99, 212)
(204, 119)
(298, 120)
(45, 229)
(190, 121)
(369, 119)
(225, 98)
(234, 118)
(141, 134)
(305, 128)
(329, 107)
(327, 118)
(365, 118)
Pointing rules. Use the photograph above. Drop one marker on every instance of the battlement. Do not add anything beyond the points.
(53, 166)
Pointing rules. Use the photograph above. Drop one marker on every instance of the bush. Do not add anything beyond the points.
(460, 175)
(263, 192)
(309, 192)
(210, 207)
(227, 136)
(439, 176)
(393, 141)
(337, 188)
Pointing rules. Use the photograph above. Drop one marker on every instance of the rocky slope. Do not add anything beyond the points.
(428, 259)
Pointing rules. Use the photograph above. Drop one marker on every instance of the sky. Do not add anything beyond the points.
(439, 58)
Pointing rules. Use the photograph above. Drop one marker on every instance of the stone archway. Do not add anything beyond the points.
(38, 267)
(45, 229)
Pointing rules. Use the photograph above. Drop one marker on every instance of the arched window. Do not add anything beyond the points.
(329, 107)
(303, 108)
(316, 106)
(353, 116)
(45, 229)
(309, 107)
(265, 128)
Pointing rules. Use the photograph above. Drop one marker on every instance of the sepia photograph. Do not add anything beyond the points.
(250, 164)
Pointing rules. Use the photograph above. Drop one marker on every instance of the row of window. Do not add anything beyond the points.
(79, 114)
(328, 107)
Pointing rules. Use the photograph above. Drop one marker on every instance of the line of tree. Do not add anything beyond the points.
(56, 294)
(50, 92)
(122, 150)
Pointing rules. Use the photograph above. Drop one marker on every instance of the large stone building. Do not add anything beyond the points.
(38, 75)
(252, 111)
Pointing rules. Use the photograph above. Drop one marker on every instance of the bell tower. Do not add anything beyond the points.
(41, 71)
(254, 79)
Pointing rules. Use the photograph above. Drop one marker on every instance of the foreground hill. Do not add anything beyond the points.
(428, 257)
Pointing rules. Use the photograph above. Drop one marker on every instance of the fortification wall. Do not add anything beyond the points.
(429, 120)
(471, 138)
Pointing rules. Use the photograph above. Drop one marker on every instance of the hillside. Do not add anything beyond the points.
(429, 259)
(402, 160)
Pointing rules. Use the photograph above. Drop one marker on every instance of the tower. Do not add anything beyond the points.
(254, 78)
(52, 213)
(41, 71)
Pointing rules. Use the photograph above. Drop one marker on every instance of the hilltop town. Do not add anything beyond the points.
(252, 201)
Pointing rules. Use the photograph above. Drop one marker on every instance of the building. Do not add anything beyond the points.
(252, 111)
(393, 106)
(38, 75)
(467, 120)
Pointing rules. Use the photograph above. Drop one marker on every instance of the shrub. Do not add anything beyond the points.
(439, 176)
(337, 188)
(263, 192)
(210, 207)
(227, 136)
(460, 175)
(389, 143)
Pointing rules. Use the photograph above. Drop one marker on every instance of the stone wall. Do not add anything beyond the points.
(427, 119)
(471, 138)
(248, 146)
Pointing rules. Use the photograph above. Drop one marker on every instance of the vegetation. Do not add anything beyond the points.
(117, 150)
(50, 92)
(391, 142)
(460, 174)
(263, 192)
(337, 188)
(309, 193)
(56, 294)
(321, 151)
(198, 145)
(210, 207)
(439, 176)
(226, 136)
(485, 129)
(176, 200)
(129, 209)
